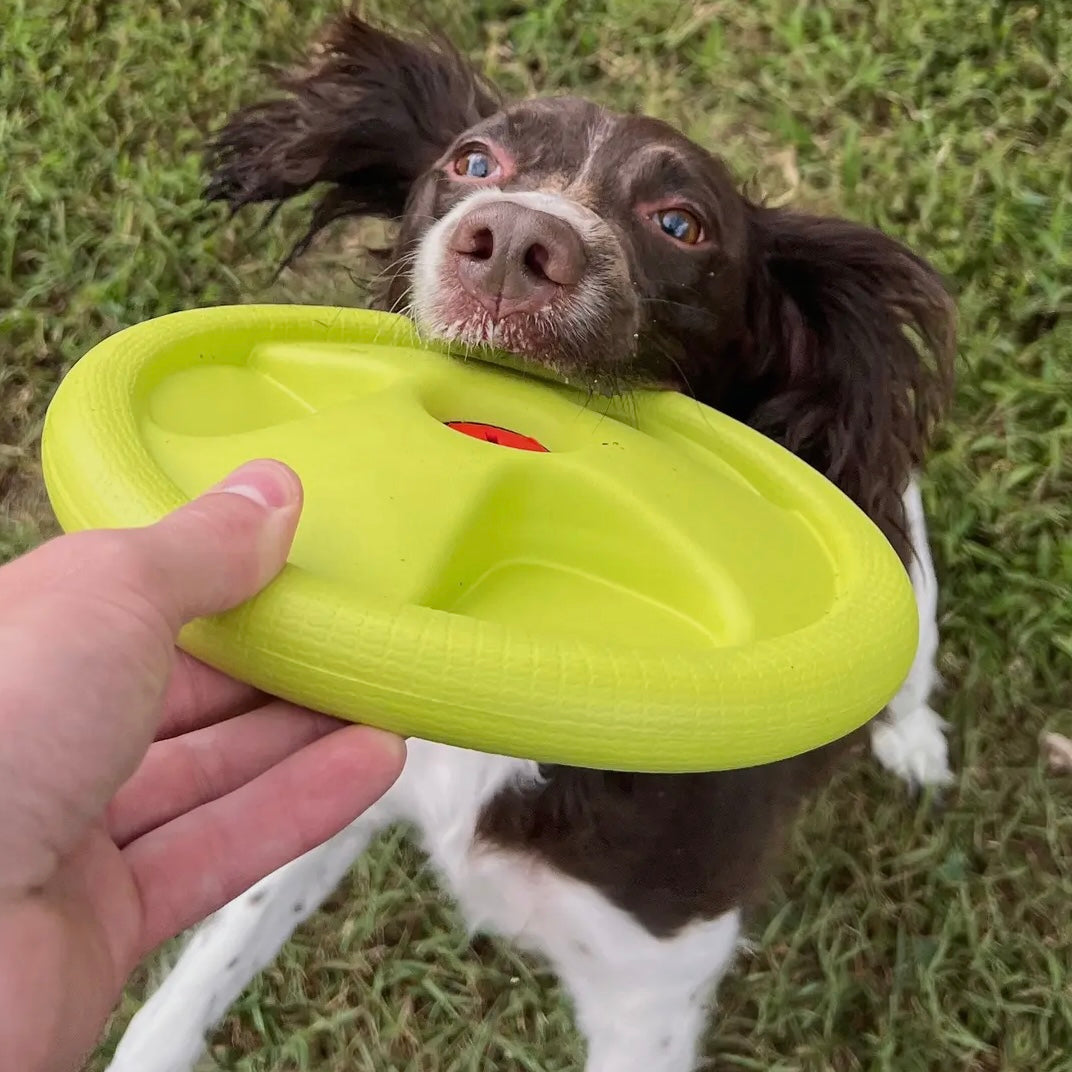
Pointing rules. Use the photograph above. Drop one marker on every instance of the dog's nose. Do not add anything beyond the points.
(515, 259)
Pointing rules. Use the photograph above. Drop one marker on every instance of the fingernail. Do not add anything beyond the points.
(267, 483)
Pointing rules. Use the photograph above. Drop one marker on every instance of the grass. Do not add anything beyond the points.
(899, 937)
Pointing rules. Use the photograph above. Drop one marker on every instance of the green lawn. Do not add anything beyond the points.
(901, 936)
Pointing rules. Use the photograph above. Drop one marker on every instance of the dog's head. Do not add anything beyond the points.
(610, 249)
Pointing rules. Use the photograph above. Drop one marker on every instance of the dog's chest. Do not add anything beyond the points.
(511, 894)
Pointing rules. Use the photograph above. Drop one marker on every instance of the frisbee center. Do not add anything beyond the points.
(502, 437)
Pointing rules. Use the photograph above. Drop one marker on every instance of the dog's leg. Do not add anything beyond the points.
(641, 1002)
(650, 1018)
(909, 740)
(223, 955)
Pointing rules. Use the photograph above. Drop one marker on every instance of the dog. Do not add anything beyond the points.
(615, 253)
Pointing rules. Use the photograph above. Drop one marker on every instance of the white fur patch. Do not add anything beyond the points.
(910, 740)
(427, 299)
(913, 746)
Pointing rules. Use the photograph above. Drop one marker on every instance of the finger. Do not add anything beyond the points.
(198, 862)
(220, 549)
(197, 696)
(181, 774)
(90, 646)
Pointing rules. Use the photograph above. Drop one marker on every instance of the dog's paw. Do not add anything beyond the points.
(913, 746)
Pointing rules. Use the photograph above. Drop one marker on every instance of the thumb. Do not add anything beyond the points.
(88, 644)
(224, 546)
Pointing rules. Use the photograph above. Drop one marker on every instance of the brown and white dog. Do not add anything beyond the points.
(616, 252)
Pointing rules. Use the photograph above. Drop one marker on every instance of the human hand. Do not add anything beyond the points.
(111, 843)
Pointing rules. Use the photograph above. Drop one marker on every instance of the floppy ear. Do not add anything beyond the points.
(853, 338)
(368, 112)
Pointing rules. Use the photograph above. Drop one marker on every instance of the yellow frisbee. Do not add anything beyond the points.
(492, 561)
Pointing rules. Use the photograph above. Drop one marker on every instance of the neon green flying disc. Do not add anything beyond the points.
(492, 561)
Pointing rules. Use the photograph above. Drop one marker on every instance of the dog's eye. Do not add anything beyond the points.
(474, 164)
(679, 224)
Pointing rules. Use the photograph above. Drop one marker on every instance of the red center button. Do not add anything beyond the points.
(502, 437)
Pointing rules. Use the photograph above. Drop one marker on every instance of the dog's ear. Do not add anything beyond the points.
(368, 112)
(853, 342)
